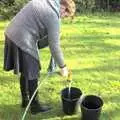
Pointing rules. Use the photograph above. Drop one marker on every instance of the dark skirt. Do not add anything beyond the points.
(20, 62)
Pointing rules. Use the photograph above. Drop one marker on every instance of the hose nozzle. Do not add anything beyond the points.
(69, 78)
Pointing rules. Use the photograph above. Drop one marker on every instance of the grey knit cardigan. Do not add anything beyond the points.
(36, 21)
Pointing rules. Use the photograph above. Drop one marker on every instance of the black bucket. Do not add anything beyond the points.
(69, 102)
(91, 107)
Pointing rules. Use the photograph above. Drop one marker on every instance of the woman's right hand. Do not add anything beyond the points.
(64, 71)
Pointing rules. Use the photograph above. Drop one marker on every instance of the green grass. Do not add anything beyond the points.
(91, 46)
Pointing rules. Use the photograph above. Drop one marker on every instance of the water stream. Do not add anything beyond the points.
(69, 91)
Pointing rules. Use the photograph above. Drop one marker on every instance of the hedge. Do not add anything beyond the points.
(8, 8)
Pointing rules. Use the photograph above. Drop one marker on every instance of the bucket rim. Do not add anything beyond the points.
(93, 96)
(73, 88)
(75, 99)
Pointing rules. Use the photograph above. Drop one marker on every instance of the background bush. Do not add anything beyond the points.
(97, 5)
(84, 5)
(8, 8)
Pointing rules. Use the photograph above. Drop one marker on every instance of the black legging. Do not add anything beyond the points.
(28, 87)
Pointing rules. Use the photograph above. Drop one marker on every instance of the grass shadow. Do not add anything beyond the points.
(10, 112)
(2, 27)
(90, 38)
(15, 112)
(109, 66)
(8, 80)
(1, 42)
(95, 24)
(91, 44)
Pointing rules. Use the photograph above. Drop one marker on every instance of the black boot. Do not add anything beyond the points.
(24, 91)
(36, 107)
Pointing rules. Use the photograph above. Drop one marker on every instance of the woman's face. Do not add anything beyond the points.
(63, 12)
(63, 7)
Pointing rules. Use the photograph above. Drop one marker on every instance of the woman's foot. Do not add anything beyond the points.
(25, 102)
(36, 108)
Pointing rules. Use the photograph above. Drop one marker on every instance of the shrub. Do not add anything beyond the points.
(10, 7)
(84, 5)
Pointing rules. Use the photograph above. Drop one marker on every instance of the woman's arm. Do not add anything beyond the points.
(53, 29)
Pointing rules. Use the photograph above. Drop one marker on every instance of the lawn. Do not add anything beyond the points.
(91, 46)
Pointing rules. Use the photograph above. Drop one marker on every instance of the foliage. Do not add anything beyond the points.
(10, 8)
(97, 5)
(84, 5)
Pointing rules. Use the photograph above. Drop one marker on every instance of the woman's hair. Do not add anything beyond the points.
(67, 8)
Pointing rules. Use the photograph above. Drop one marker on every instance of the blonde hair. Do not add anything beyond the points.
(69, 8)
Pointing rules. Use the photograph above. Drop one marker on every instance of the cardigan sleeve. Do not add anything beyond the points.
(53, 29)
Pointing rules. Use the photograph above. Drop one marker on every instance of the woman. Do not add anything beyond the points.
(36, 23)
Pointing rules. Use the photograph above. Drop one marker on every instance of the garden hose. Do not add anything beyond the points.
(39, 85)
(69, 84)
(69, 80)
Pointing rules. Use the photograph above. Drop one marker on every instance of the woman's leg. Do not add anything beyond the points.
(30, 70)
(36, 107)
(24, 91)
(12, 61)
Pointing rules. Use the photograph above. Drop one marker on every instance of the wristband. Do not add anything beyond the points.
(63, 66)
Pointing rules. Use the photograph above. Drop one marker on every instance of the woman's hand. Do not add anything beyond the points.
(64, 71)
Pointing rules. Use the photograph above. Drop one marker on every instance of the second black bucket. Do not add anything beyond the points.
(91, 107)
(69, 102)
